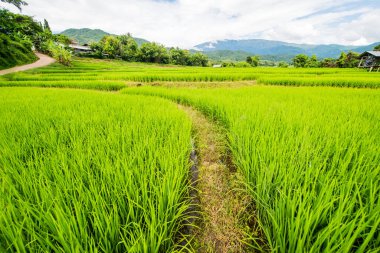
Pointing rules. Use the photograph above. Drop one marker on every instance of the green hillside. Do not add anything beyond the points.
(14, 53)
(230, 55)
(86, 35)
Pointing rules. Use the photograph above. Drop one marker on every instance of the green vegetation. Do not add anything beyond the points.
(90, 73)
(59, 53)
(90, 171)
(14, 52)
(284, 169)
(345, 60)
(126, 48)
(310, 159)
(20, 33)
(85, 171)
(88, 36)
(253, 60)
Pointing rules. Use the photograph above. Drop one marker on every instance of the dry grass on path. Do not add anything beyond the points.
(221, 204)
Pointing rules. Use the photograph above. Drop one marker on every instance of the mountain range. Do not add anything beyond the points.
(279, 48)
(86, 35)
(238, 50)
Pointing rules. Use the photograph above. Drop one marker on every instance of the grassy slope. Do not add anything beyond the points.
(14, 53)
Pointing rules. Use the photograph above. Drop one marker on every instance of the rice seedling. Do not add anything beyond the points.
(114, 72)
(84, 171)
(310, 158)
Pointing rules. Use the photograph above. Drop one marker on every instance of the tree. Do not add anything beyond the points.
(153, 52)
(179, 56)
(17, 3)
(47, 26)
(377, 48)
(97, 47)
(198, 59)
(129, 50)
(22, 27)
(249, 59)
(111, 46)
(253, 60)
(300, 61)
(313, 62)
(329, 63)
(349, 60)
(59, 53)
(62, 39)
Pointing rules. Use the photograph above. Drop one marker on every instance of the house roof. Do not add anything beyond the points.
(79, 47)
(374, 53)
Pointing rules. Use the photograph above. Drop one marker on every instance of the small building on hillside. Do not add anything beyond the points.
(370, 60)
(80, 49)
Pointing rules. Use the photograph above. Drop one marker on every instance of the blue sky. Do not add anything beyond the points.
(186, 23)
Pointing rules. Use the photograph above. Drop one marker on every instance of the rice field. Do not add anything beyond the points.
(310, 158)
(115, 75)
(85, 170)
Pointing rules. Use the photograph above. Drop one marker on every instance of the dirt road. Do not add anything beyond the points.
(43, 61)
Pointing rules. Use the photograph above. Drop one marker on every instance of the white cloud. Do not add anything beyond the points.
(186, 23)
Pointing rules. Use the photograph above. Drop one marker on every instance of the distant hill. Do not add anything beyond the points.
(86, 35)
(278, 48)
(229, 55)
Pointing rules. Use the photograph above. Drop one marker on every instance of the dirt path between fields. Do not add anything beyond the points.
(44, 60)
(221, 204)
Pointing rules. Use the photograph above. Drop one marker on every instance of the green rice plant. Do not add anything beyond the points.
(84, 171)
(339, 81)
(100, 70)
(310, 158)
(78, 84)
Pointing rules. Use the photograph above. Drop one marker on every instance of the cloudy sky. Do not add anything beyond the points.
(186, 23)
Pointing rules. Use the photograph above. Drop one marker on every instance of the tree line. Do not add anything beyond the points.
(126, 48)
(345, 60)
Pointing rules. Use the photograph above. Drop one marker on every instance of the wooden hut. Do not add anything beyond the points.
(370, 60)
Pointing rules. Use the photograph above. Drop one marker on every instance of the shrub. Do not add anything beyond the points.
(15, 52)
(59, 53)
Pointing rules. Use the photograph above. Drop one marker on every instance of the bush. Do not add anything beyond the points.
(283, 64)
(59, 53)
(242, 65)
(15, 52)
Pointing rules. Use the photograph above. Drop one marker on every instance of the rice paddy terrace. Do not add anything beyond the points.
(87, 170)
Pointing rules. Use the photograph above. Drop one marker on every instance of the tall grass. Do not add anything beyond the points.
(83, 171)
(310, 158)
